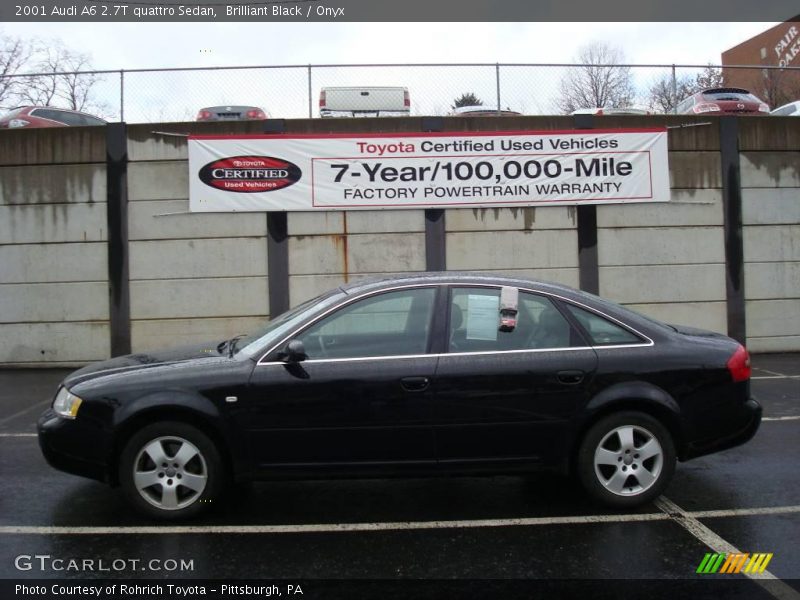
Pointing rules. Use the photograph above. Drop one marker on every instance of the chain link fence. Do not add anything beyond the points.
(292, 91)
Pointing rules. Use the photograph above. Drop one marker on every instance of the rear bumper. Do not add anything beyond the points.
(70, 446)
(747, 426)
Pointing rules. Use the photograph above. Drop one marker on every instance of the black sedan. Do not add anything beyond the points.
(426, 374)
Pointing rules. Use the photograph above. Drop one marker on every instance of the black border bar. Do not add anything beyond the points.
(119, 296)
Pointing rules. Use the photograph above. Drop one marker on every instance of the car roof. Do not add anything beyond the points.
(455, 277)
(467, 278)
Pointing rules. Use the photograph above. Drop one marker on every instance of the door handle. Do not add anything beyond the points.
(570, 377)
(415, 384)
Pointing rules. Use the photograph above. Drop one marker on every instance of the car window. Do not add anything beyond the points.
(785, 110)
(475, 320)
(601, 331)
(733, 94)
(66, 117)
(53, 115)
(686, 105)
(390, 324)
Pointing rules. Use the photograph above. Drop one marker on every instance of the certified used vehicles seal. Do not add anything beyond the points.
(249, 174)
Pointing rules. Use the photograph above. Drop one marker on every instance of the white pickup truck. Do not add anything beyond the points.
(364, 102)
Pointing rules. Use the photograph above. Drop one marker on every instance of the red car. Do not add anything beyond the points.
(723, 101)
(46, 116)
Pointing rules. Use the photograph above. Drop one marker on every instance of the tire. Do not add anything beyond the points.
(626, 459)
(171, 471)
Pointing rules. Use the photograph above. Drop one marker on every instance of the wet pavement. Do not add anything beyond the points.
(451, 529)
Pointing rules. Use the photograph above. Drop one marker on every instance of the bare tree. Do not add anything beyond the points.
(597, 81)
(14, 53)
(710, 77)
(665, 94)
(63, 78)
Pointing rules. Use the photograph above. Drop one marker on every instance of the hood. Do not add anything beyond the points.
(143, 361)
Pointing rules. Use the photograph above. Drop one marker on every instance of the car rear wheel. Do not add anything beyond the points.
(626, 459)
(171, 471)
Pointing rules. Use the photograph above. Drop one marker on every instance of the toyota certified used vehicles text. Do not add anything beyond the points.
(723, 101)
(433, 373)
(46, 116)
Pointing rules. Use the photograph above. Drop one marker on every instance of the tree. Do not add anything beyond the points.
(665, 94)
(598, 80)
(64, 78)
(467, 99)
(13, 55)
(710, 77)
(61, 77)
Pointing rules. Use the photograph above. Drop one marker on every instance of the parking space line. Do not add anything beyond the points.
(792, 418)
(388, 526)
(18, 434)
(689, 522)
(331, 527)
(770, 372)
(743, 512)
(776, 377)
(24, 411)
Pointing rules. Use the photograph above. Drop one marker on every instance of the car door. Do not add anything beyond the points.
(361, 399)
(506, 397)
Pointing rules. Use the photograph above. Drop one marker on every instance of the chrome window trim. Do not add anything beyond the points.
(319, 317)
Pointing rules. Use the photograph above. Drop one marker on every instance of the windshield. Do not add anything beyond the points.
(271, 333)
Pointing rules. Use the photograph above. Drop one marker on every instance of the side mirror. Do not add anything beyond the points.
(295, 351)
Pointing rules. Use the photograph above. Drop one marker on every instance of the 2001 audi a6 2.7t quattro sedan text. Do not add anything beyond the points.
(433, 373)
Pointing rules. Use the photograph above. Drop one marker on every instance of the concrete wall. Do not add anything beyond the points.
(770, 170)
(193, 277)
(196, 277)
(53, 251)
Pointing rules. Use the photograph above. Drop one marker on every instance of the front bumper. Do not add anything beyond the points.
(748, 425)
(70, 446)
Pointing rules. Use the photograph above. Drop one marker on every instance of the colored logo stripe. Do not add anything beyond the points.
(733, 563)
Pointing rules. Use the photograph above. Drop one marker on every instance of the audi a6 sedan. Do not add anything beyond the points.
(434, 373)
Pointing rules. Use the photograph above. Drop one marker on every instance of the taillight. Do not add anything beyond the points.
(322, 99)
(256, 114)
(203, 115)
(406, 99)
(706, 107)
(739, 364)
(599, 111)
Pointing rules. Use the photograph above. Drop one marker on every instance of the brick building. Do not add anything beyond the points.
(778, 46)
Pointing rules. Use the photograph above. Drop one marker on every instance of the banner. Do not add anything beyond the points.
(427, 170)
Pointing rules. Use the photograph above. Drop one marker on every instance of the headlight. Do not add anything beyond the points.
(66, 404)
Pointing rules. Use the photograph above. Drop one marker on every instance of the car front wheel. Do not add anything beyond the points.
(626, 459)
(171, 470)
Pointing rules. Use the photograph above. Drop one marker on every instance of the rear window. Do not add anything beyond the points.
(74, 119)
(730, 94)
(601, 331)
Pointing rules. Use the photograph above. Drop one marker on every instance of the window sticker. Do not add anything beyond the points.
(482, 317)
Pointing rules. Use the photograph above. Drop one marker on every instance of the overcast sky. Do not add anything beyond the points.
(150, 45)
(158, 45)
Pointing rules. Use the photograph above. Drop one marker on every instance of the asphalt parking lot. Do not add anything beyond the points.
(746, 499)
